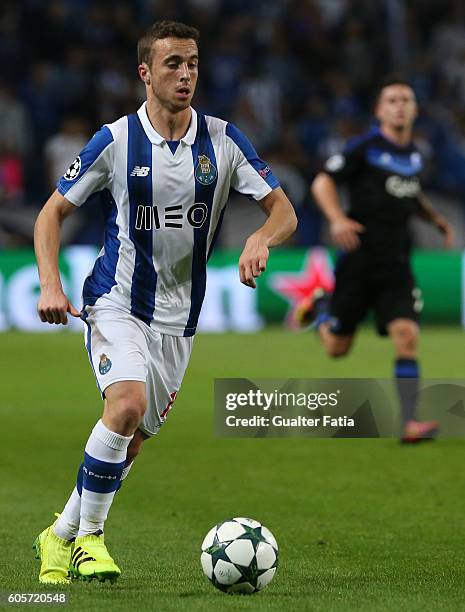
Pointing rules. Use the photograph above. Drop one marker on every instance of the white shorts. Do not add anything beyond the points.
(122, 347)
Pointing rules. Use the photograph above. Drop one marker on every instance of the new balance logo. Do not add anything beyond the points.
(140, 171)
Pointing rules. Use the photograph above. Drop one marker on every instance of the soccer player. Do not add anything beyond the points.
(381, 170)
(162, 176)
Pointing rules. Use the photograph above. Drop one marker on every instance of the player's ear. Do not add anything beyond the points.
(144, 73)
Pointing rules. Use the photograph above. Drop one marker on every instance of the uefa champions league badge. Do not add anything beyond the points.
(73, 171)
(205, 172)
(104, 365)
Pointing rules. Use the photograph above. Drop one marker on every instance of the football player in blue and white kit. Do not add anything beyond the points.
(163, 176)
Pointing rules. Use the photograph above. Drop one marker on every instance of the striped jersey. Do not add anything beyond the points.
(163, 204)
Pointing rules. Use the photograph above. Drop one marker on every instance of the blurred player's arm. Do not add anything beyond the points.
(427, 213)
(344, 231)
(281, 223)
(53, 304)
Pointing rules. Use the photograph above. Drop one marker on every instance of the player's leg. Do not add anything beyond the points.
(404, 334)
(106, 452)
(117, 346)
(317, 311)
(335, 345)
(104, 461)
(397, 312)
(134, 449)
(66, 527)
(67, 524)
(339, 316)
(335, 316)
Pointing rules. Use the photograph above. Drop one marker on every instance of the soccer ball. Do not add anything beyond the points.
(239, 555)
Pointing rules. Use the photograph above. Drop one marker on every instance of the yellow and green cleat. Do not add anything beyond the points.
(91, 560)
(55, 556)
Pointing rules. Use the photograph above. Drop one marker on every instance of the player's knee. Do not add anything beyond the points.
(130, 409)
(405, 334)
(337, 350)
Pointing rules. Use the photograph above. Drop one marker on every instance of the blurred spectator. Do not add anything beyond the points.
(297, 76)
(62, 148)
(258, 108)
(15, 129)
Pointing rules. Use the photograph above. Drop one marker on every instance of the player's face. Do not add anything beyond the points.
(173, 72)
(397, 107)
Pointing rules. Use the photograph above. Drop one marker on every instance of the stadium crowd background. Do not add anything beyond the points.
(297, 76)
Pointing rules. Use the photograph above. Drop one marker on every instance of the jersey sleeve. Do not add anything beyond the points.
(251, 176)
(91, 171)
(345, 165)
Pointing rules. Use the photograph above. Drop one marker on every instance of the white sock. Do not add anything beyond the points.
(67, 524)
(104, 459)
(126, 470)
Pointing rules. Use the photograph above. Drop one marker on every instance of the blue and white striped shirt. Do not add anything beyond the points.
(163, 211)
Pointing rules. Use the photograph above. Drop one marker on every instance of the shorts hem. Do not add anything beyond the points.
(148, 432)
(122, 379)
(382, 328)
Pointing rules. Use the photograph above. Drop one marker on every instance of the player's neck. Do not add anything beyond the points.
(401, 137)
(172, 126)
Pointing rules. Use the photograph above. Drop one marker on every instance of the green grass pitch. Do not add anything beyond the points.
(362, 525)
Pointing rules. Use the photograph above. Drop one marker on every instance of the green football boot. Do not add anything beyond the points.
(91, 560)
(55, 556)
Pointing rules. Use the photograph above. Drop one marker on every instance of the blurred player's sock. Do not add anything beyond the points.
(104, 462)
(406, 372)
(313, 310)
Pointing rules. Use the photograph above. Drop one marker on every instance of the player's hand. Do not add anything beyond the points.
(447, 231)
(53, 307)
(345, 233)
(252, 261)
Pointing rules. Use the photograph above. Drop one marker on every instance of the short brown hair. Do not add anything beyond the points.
(395, 78)
(163, 29)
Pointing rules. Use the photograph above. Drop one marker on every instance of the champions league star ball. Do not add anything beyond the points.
(73, 170)
(239, 555)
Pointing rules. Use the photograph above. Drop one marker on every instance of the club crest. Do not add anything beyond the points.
(104, 365)
(205, 173)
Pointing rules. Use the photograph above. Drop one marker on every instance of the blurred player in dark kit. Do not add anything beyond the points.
(382, 172)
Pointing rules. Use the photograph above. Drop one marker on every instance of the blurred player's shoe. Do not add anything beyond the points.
(417, 431)
(91, 560)
(55, 556)
(309, 309)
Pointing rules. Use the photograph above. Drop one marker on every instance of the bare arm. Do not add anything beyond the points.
(281, 223)
(344, 231)
(427, 212)
(53, 304)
